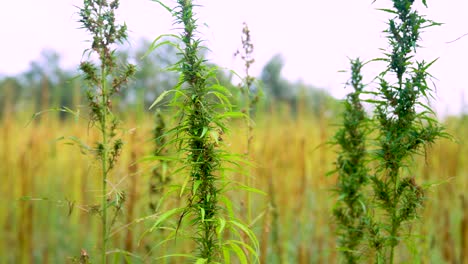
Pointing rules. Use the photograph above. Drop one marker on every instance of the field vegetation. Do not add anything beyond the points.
(56, 220)
(137, 164)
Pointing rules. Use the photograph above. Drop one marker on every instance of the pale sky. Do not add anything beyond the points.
(315, 37)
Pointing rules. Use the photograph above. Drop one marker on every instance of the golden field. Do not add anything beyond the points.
(49, 189)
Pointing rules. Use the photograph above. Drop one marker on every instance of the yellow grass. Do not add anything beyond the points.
(293, 221)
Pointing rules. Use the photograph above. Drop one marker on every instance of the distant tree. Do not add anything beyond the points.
(46, 84)
(10, 90)
(274, 84)
(152, 77)
(316, 101)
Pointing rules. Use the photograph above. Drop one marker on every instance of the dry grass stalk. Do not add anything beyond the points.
(448, 249)
(45, 94)
(25, 230)
(464, 231)
(133, 193)
(265, 236)
(303, 255)
(301, 191)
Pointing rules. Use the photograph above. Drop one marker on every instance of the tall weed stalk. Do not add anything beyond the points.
(405, 124)
(159, 178)
(248, 100)
(203, 105)
(104, 77)
(351, 167)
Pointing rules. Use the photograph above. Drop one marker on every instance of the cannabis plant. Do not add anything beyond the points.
(104, 77)
(248, 101)
(249, 96)
(351, 167)
(405, 124)
(159, 178)
(203, 105)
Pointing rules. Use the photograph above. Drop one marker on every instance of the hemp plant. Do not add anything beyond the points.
(159, 178)
(405, 124)
(246, 86)
(104, 78)
(248, 99)
(351, 167)
(202, 107)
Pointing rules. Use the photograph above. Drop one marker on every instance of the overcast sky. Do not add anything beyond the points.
(316, 37)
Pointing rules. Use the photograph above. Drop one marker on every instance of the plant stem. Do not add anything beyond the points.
(104, 164)
(104, 154)
(403, 130)
(202, 151)
(351, 166)
(98, 17)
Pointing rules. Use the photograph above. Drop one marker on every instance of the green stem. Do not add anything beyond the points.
(98, 18)
(104, 151)
(394, 225)
(249, 128)
(104, 164)
(393, 234)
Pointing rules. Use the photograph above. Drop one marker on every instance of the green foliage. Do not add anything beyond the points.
(280, 91)
(160, 176)
(271, 78)
(249, 97)
(45, 84)
(203, 156)
(152, 78)
(105, 80)
(405, 124)
(350, 210)
(203, 105)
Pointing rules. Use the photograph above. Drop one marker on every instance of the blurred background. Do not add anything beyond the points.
(314, 38)
(301, 62)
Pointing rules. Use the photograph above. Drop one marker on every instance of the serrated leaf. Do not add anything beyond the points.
(228, 204)
(205, 129)
(388, 10)
(201, 261)
(202, 213)
(176, 255)
(231, 114)
(252, 190)
(221, 226)
(239, 252)
(196, 184)
(247, 231)
(246, 246)
(226, 255)
(160, 98)
(165, 216)
(184, 185)
(164, 6)
(155, 158)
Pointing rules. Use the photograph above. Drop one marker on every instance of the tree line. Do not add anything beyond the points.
(45, 84)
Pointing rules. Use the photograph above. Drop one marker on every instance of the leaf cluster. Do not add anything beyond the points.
(403, 125)
(351, 167)
(98, 18)
(104, 79)
(403, 128)
(202, 106)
